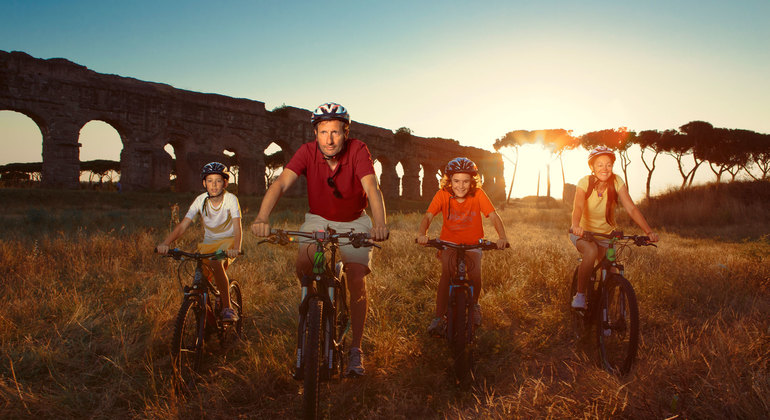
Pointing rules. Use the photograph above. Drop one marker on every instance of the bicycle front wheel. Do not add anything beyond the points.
(311, 361)
(618, 327)
(187, 341)
(342, 321)
(236, 302)
(461, 335)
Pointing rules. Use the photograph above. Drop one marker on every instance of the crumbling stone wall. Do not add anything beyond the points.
(61, 97)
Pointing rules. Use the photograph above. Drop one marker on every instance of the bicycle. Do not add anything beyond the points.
(200, 315)
(323, 311)
(611, 304)
(460, 326)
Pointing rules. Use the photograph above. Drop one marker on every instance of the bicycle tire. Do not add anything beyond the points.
(236, 302)
(342, 321)
(618, 335)
(462, 332)
(187, 341)
(311, 360)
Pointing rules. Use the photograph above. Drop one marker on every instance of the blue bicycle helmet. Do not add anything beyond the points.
(461, 165)
(215, 168)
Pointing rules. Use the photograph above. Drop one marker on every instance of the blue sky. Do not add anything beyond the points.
(465, 70)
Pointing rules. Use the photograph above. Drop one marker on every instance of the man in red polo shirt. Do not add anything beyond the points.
(340, 182)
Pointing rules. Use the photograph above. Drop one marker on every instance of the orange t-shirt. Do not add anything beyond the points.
(462, 221)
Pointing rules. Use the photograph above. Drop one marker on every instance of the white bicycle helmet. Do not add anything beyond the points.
(330, 111)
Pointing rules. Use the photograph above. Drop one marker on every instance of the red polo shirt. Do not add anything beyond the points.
(354, 164)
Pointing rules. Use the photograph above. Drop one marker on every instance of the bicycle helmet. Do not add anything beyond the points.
(330, 111)
(598, 151)
(215, 168)
(461, 165)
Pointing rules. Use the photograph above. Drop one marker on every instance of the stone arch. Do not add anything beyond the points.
(17, 128)
(399, 168)
(389, 179)
(171, 152)
(97, 141)
(430, 179)
(377, 170)
(410, 180)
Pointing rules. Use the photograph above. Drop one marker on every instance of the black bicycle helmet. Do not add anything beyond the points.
(330, 111)
(215, 168)
(461, 165)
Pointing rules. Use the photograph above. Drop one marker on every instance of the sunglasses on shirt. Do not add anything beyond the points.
(331, 183)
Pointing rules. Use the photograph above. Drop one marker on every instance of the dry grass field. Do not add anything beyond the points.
(86, 324)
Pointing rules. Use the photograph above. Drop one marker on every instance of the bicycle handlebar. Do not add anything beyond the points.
(638, 240)
(178, 254)
(329, 235)
(483, 245)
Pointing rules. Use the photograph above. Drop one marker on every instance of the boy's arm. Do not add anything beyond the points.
(175, 234)
(422, 231)
(374, 195)
(502, 240)
(237, 237)
(261, 225)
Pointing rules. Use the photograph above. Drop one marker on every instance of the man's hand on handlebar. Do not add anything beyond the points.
(260, 228)
(379, 233)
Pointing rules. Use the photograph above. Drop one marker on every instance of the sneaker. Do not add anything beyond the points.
(437, 327)
(355, 363)
(229, 315)
(579, 301)
(476, 314)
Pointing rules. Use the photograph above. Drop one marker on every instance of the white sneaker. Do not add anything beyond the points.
(355, 363)
(579, 301)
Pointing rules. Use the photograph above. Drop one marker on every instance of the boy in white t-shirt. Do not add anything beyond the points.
(221, 217)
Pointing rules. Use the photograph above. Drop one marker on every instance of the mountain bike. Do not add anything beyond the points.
(460, 326)
(611, 304)
(200, 315)
(323, 311)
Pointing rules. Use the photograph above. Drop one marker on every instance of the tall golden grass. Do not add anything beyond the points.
(86, 323)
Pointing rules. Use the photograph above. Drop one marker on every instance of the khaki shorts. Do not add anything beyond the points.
(219, 245)
(602, 242)
(362, 255)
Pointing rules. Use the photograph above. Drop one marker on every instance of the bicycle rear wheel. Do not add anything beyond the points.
(187, 341)
(618, 330)
(311, 361)
(461, 335)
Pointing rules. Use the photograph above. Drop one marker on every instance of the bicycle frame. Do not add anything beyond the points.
(321, 285)
(611, 305)
(462, 295)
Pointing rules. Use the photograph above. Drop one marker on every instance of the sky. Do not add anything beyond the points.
(470, 71)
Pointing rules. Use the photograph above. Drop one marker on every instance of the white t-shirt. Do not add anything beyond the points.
(217, 222)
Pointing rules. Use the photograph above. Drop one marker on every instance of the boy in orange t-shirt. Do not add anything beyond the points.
(462, 202)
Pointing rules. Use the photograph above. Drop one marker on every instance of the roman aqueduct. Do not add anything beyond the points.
(61, 97)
